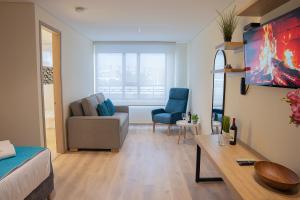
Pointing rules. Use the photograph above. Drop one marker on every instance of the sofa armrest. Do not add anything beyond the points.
(89, 131)
(124, 109)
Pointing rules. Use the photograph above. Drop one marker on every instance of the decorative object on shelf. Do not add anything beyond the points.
(195, 118)
(227, 23)
(47, 75)
(276, 176)
(293, 98)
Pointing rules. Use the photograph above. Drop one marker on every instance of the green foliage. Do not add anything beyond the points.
(226, 124)
(195, 117)
(227, 23)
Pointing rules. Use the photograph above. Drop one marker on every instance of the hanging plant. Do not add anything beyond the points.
(293, 98)
(227, 23)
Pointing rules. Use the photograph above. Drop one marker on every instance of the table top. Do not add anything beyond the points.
(241, 179)
(185, 123)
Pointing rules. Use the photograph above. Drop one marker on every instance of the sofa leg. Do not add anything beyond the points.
(153, 127)
(169, 127)
(73, 149)
(115, 150)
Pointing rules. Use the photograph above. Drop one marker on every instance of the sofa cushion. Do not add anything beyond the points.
(124, 117)
(100, 97)
(76, 108)
(110, 106)
(103, 110)
(89, 106)
(164, 118)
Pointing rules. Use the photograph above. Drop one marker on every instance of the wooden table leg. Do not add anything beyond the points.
(196, 130)
(179, 135)
(203, 179)
(184, 132)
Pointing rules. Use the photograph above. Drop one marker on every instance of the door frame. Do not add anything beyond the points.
(60, 139)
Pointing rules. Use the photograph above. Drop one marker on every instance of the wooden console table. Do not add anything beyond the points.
(241, 179)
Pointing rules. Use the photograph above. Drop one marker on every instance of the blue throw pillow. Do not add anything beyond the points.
(110, 106)
(102, 110)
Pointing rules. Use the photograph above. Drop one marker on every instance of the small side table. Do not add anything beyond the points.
(183, 124)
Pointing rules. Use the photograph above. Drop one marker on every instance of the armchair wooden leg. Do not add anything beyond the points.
(169, 127)
(153, 127)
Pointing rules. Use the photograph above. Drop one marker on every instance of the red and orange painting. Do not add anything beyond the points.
(272, 52)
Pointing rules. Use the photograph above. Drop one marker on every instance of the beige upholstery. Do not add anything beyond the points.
(89, 106)
(76, 108)
(96, 132)
(100, 97)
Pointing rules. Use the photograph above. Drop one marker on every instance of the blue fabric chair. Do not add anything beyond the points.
(176, 105)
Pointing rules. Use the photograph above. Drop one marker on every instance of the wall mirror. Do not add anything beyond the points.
(218, 95)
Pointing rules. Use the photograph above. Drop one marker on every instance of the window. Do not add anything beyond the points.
(132, 78)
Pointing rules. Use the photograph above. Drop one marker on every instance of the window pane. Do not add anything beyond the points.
(109, 74)
(47, 48)
(131, 85)
(152, 75)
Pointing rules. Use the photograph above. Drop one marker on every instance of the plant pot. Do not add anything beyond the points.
(227, 38)
(194, 121)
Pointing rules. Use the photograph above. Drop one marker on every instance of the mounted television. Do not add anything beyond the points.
(272, 52)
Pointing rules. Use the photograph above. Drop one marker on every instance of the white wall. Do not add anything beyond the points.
(181, 65)
(77, 69)
(19, 101)
(263, 119)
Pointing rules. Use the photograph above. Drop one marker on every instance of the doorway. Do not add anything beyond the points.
(51, 89)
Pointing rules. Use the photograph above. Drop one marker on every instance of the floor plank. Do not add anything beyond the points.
(150, 166)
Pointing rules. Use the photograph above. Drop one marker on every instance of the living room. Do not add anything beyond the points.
(124, 100)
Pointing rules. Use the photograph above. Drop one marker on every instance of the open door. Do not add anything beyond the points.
(51, 89)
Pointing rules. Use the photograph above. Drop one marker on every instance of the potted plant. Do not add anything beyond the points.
(227, 23)
(195, 118)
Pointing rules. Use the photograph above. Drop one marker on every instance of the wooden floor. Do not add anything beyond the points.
(150, 166)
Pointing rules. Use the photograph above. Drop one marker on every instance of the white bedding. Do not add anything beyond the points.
(22, 181)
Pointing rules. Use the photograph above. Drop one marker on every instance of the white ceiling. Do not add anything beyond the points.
(119, 20)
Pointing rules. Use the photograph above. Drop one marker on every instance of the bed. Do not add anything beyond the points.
(27, 176)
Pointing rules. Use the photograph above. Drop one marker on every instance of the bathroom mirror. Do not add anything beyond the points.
(218, 94)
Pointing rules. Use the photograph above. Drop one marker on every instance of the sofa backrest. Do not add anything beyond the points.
(87, 106)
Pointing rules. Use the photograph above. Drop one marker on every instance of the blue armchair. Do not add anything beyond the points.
(176, 105)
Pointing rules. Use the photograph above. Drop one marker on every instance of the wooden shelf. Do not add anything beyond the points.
(230, 46)
(258, 8)
(233, 70)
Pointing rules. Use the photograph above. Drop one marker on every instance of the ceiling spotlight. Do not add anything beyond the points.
(79, 9)
(139, 29)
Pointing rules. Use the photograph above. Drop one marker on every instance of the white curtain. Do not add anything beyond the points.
(135, 73)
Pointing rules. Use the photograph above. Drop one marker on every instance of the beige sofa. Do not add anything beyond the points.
(87, 130)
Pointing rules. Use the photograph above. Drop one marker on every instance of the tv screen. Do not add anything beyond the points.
(272, 52)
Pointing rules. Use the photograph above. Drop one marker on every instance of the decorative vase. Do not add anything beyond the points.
(227, 38)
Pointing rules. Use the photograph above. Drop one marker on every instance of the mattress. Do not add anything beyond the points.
(22, 181)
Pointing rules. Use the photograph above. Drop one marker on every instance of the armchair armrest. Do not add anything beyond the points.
(157, 111)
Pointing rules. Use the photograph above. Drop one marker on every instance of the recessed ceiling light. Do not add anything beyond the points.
(79, 9)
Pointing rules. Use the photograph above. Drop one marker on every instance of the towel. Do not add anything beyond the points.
(7, 150)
